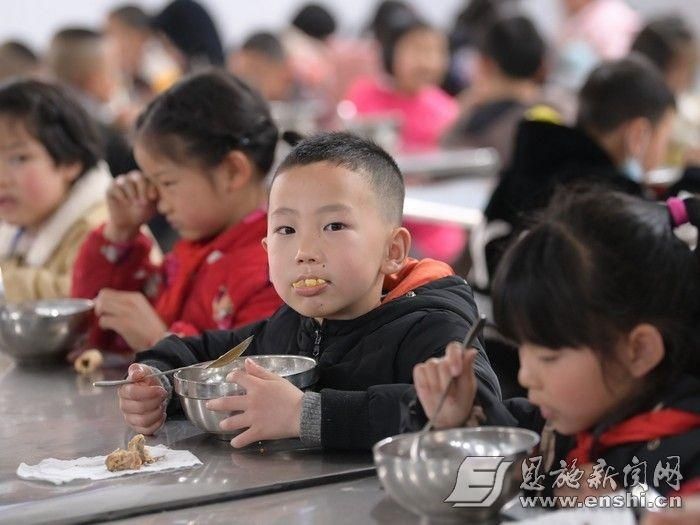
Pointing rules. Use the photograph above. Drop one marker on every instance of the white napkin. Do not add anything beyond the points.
(64, 470)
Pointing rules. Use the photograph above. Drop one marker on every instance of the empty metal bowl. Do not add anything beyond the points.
(197, 385)
(423, 485)
(44, 331)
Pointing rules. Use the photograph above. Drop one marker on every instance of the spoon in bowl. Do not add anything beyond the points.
(224, 360)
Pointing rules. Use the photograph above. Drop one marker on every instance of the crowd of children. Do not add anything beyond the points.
(593, 290)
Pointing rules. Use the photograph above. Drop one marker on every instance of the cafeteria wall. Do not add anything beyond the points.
(34, 21)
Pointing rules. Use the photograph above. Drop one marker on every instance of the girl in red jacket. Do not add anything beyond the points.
(204, 148)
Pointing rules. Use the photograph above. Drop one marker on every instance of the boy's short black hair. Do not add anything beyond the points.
(515, 45)
(55, 118)
(266, 44)
(662, 39)
(359, 155)
(315, 21)
(621, 90)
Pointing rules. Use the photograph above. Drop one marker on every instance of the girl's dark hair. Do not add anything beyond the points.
(595, 265)
(54, 118)
(403, 24)
(663, 39)
(205, 116)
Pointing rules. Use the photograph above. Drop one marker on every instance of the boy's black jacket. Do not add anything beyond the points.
(365, 363)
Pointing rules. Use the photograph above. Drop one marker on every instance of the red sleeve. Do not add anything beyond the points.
(103, 264)
(121, 266)
(691, 486)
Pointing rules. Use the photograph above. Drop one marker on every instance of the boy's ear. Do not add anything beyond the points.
(264, 243)
(238, 170)
(644, 350)
(398, 245)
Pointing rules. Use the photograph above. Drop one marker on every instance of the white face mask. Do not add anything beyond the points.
(633, 169)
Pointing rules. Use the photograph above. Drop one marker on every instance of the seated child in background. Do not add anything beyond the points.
(414, 57)
(625, 117)
(505, 83)
(354, 302)
(604, 302)
(204, 147)
(17, 60)
(668, 42)
(262, 62)
(52, 187)
(82, 59)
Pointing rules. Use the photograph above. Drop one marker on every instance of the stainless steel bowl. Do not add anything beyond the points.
(44, 331)
(196, 385)
(422, 485)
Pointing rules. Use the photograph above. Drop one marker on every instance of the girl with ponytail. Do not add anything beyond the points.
(603, 301)
(204, 148)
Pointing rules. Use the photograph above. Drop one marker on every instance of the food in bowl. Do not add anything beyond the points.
(196, 385)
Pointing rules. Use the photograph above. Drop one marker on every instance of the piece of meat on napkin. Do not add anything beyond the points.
(64, 470)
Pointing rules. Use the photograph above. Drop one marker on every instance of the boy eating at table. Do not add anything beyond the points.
(354, 302)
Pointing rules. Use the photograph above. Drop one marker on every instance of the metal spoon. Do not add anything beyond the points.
(224, 360)
(466, 344)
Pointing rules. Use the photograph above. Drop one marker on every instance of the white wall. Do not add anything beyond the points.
(35, 20)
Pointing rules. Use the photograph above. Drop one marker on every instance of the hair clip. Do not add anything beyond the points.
(677, 210)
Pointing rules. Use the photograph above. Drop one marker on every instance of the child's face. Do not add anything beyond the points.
(420, 60)
(325, 223)
(681, 73)
(568, 386)
(192, 199)
(271, 77)
(32, 187)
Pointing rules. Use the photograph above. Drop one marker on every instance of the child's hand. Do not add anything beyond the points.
(270, 408)
(143, 403)
(432, 377)
(131, 201)
(131, 316)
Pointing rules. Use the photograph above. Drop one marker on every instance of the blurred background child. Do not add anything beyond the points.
(505, 81)
(52, 187)
(204, 147)
(146, 67)
(17, 60)
(624, 123)
(82, 59)
(263, 63)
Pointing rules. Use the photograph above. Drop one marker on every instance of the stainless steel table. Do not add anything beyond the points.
(345, 503)
(54, 413)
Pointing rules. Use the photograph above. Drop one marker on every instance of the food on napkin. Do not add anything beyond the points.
(132, 458)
